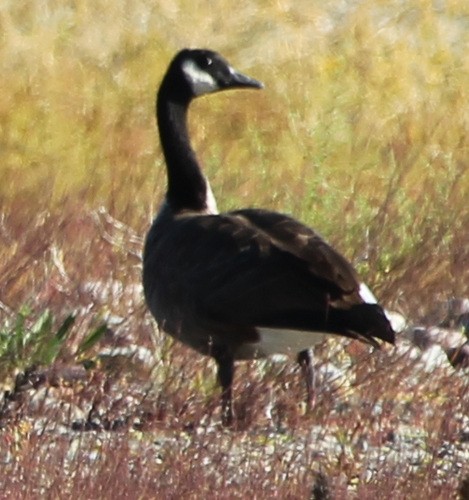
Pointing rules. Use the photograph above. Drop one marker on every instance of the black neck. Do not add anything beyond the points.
(187, 187)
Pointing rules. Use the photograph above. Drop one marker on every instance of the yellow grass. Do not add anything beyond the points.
(361, 131)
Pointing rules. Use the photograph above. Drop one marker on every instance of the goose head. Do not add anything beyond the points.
(195, 72)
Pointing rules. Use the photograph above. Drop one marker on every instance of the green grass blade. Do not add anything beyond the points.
(94, 337)
(65, 327)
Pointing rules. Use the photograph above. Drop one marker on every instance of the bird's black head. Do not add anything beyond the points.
(195, 72)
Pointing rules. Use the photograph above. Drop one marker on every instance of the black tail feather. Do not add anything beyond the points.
(367, 320)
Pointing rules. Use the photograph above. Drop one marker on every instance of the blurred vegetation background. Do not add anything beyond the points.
(361, 131)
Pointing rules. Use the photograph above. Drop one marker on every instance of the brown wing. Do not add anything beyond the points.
(255, 268)
(301, 241)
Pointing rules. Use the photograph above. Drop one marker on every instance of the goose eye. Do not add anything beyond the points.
(206, 62)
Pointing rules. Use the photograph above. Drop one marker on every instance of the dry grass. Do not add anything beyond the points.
(361, 132)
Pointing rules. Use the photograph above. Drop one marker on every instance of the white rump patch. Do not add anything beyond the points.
(398, 322)
(367, 295)
(284, 341)
(200, 81)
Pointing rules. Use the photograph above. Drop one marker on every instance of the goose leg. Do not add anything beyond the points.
(305, 360)
(225, 364)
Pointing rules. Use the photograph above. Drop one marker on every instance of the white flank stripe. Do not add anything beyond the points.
(367, 295)
(398, 322)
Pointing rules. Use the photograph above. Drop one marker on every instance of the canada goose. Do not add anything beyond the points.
(248, 283)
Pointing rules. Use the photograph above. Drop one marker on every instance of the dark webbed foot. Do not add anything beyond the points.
(305, 360)
(225, 364)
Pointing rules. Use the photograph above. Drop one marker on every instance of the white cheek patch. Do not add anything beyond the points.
(366, 294)
(200, 81)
